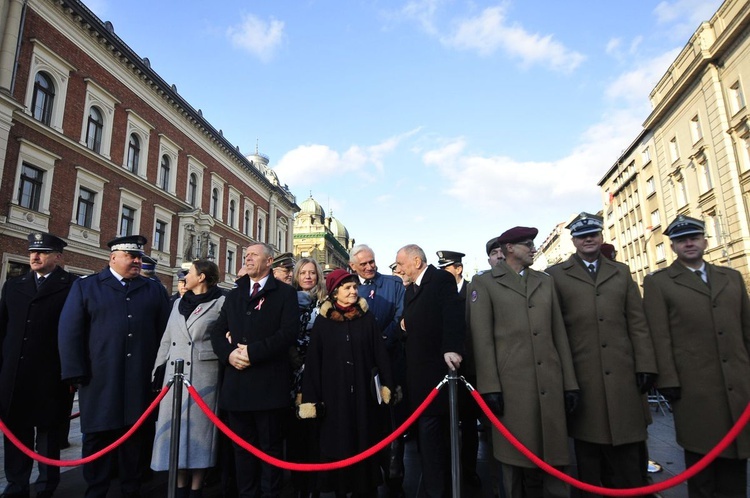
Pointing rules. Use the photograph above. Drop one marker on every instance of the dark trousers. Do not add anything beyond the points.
(724, 477)
(434, 451)
(264, 430)
(129, 455)
(522, 482)
(18, 466)
(610, 466)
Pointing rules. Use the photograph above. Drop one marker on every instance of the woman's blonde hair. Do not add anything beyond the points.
(319, 291)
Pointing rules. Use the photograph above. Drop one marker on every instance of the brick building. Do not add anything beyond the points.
(94, 144)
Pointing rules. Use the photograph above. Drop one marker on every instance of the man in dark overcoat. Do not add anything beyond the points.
(699, 315)
(262, 317)
(384, 295)
(524, 366)
(613, 357)
(32, 394)
(110, 329)
(435, 327)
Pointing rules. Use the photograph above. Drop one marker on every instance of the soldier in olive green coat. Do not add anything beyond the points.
(613, 356)
(524, 367)
(701, 328)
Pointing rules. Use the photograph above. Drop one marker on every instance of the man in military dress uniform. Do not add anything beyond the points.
(494, 252)
(524, 366)
(385, 298)
(110, 329)
(699, 316)
(613, 356)
(32, 394)
(283, 267)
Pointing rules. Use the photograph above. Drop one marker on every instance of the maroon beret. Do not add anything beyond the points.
(335, 278)
(517, 234)
(608, 250)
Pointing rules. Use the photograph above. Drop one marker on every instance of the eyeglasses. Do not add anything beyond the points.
(528, 243)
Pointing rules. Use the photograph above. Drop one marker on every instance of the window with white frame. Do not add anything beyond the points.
(695, 128)
(160, 235)
(718, 230)
(192, 196)
(646, 155)
(233, 213)
(165, 171)
(85, 224)
(681, 192)
(706, 182)
(133, 154)
(260, 234)
(650, 186)
(32, 189)
(655, 218)
(96, 133)
(138, 132)
(162, 227)
(247, 228)
(736, 97)
(660, 253)
(47, 86)
(217, 197)
(215, 202)
(168, 153)
(130, 213)
(194, 191)
(674, 152)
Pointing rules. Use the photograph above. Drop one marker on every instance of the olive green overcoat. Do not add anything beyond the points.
(521, 350)
(610, 341)
(702, 338)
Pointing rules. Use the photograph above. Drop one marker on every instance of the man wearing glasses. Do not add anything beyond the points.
(524, 365)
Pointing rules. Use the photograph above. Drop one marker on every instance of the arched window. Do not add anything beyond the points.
(164, 172)
(134, 153)
(215, 203)
(193, 190)
(248, 230)
(260, 230)
(231, 213)
(44, 97)
(94, 130)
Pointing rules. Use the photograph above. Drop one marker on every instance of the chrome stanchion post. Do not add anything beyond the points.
(174, 442)
(455, 448)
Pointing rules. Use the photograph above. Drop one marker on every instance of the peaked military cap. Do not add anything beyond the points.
(447, 258)
(516, 235)
(182, 274)
(285, 260)
(493, 243)
(45, 242)
(683, 226)
(129, 243)
(148, 263)
(584, 224)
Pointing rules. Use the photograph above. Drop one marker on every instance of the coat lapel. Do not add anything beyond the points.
(533, 281)
(717, 279)
(507, 277)
(575, 269)
(605, 271)
(683, 276)
(201, 310)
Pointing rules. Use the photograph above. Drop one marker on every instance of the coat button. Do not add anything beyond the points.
(127, 299)
(188, 363)
(130, 316)
(128, 355)
(538, 362)
(604, 345)
(189, 343)
(171, 363)
(248, 313)
(174, 344)
(130, 335)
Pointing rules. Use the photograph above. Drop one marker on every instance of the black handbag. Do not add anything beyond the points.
(159, 373)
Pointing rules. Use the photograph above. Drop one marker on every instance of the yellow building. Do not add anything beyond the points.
(693, 155)
(322, 238)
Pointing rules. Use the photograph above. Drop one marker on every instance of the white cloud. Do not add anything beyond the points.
(685, 15)
(635, 85)
(309, 164)
(489, 32)
(256, 36)
(423, 12)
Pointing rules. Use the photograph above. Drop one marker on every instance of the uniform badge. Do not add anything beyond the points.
(474, 296)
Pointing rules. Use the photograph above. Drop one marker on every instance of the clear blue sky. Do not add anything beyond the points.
(436, 122)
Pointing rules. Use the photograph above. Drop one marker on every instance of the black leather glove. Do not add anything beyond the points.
(671, 394)
(495, 402)
(571, 401)
(645, 381)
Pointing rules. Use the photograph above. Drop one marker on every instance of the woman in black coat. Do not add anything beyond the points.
(345, 357)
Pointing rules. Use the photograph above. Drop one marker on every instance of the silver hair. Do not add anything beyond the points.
(358, 249)
(414, 250)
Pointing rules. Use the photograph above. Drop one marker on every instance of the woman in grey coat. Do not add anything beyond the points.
(187, 337)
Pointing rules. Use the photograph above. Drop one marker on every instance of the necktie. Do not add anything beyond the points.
(368, 281)
(126, 283)
(256, 288)
(700, 276)
(40, 281)
(592, 269)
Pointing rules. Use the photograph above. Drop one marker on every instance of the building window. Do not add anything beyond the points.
(660, 254)
(85, 210)
(30, 187)
(127, 221)
(650, 186)
(94, 130)
(260, 230)
(134, 153)
(708, 183)
(646, 155)
(232, 213)
(164, 173)
(674, 152)
(681, 191)
(215, 203)
(695, 129)
(230, 263)
(655, 218)
(44, 96)
(160, 233)
(248, 232)
(736, 98)
(193, 190)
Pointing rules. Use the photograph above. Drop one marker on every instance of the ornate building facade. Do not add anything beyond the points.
(693, 155)
(322, 238)
(95, 144)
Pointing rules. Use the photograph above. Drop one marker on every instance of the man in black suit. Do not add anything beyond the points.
(32, 395)
(435, 327)
(262, 316)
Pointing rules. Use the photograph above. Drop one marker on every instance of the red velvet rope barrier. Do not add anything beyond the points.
(74, 463)
(311, 466)
(644, 490)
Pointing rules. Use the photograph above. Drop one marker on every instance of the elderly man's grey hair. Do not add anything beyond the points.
(358, 249)
(414, 250)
